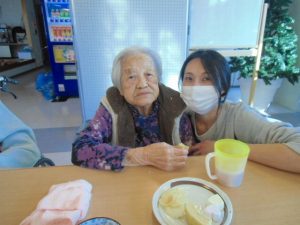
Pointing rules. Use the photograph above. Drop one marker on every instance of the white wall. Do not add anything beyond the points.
(32, 31)
(214, 24)
(11, 13)
(289, 95)
(103, 28)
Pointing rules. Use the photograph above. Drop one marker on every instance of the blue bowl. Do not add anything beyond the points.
(99, 221)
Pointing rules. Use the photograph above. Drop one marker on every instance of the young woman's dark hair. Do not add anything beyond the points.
(216, 67)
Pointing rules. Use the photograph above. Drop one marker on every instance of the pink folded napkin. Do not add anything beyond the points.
(65, 204)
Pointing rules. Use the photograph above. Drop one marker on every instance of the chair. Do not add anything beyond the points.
(43, 162)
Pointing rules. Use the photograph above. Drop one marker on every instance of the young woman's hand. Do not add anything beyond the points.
(202, 148)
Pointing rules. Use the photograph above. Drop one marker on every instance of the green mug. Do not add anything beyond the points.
(230, 161)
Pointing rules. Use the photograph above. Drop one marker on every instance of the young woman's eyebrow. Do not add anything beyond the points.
(188, 73)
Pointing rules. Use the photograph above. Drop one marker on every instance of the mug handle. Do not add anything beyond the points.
(208, 157)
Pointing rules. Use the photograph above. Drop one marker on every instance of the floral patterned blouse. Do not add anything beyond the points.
(93, 149)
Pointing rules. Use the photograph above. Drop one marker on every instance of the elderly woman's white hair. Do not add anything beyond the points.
(116, 69)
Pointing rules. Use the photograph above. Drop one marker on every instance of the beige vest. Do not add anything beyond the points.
(170, 111)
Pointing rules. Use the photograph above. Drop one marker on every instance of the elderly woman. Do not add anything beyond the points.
(138, 122)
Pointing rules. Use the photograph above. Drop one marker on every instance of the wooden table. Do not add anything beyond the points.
(267, 196)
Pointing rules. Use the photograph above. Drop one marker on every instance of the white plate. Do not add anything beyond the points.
(198, 191)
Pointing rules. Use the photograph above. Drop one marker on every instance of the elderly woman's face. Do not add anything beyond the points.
(139, 82)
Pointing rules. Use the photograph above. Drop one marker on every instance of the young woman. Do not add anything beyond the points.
(205, 79)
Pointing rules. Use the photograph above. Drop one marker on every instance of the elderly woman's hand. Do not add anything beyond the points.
(160, 155)
(165, 156)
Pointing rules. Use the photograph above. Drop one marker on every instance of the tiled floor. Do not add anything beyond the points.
(35, 110)
(55, 123)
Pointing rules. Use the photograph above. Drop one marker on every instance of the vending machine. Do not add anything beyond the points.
(58, 27)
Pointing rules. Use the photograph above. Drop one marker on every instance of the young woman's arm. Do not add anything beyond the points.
(278, 156)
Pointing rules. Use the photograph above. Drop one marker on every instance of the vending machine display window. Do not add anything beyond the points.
(70, 72)
(64, 53)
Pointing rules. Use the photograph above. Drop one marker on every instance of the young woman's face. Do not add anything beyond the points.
(195, 74)
(139, 82)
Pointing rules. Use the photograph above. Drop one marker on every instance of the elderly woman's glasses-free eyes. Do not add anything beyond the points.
(145, 79)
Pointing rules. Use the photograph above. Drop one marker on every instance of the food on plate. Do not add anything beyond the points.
(215, 208)
(183, 146)
(195, 216)
(216, 200)
(176, 204)
(214, 212)
(173, 202)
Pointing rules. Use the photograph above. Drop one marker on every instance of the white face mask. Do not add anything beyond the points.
(200, 99)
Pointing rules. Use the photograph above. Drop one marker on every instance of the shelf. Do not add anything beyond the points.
(7, 64)
(12, 44)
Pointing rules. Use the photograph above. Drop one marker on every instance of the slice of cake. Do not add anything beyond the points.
(195, 216)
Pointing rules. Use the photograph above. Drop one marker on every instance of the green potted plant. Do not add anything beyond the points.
(279, 55)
